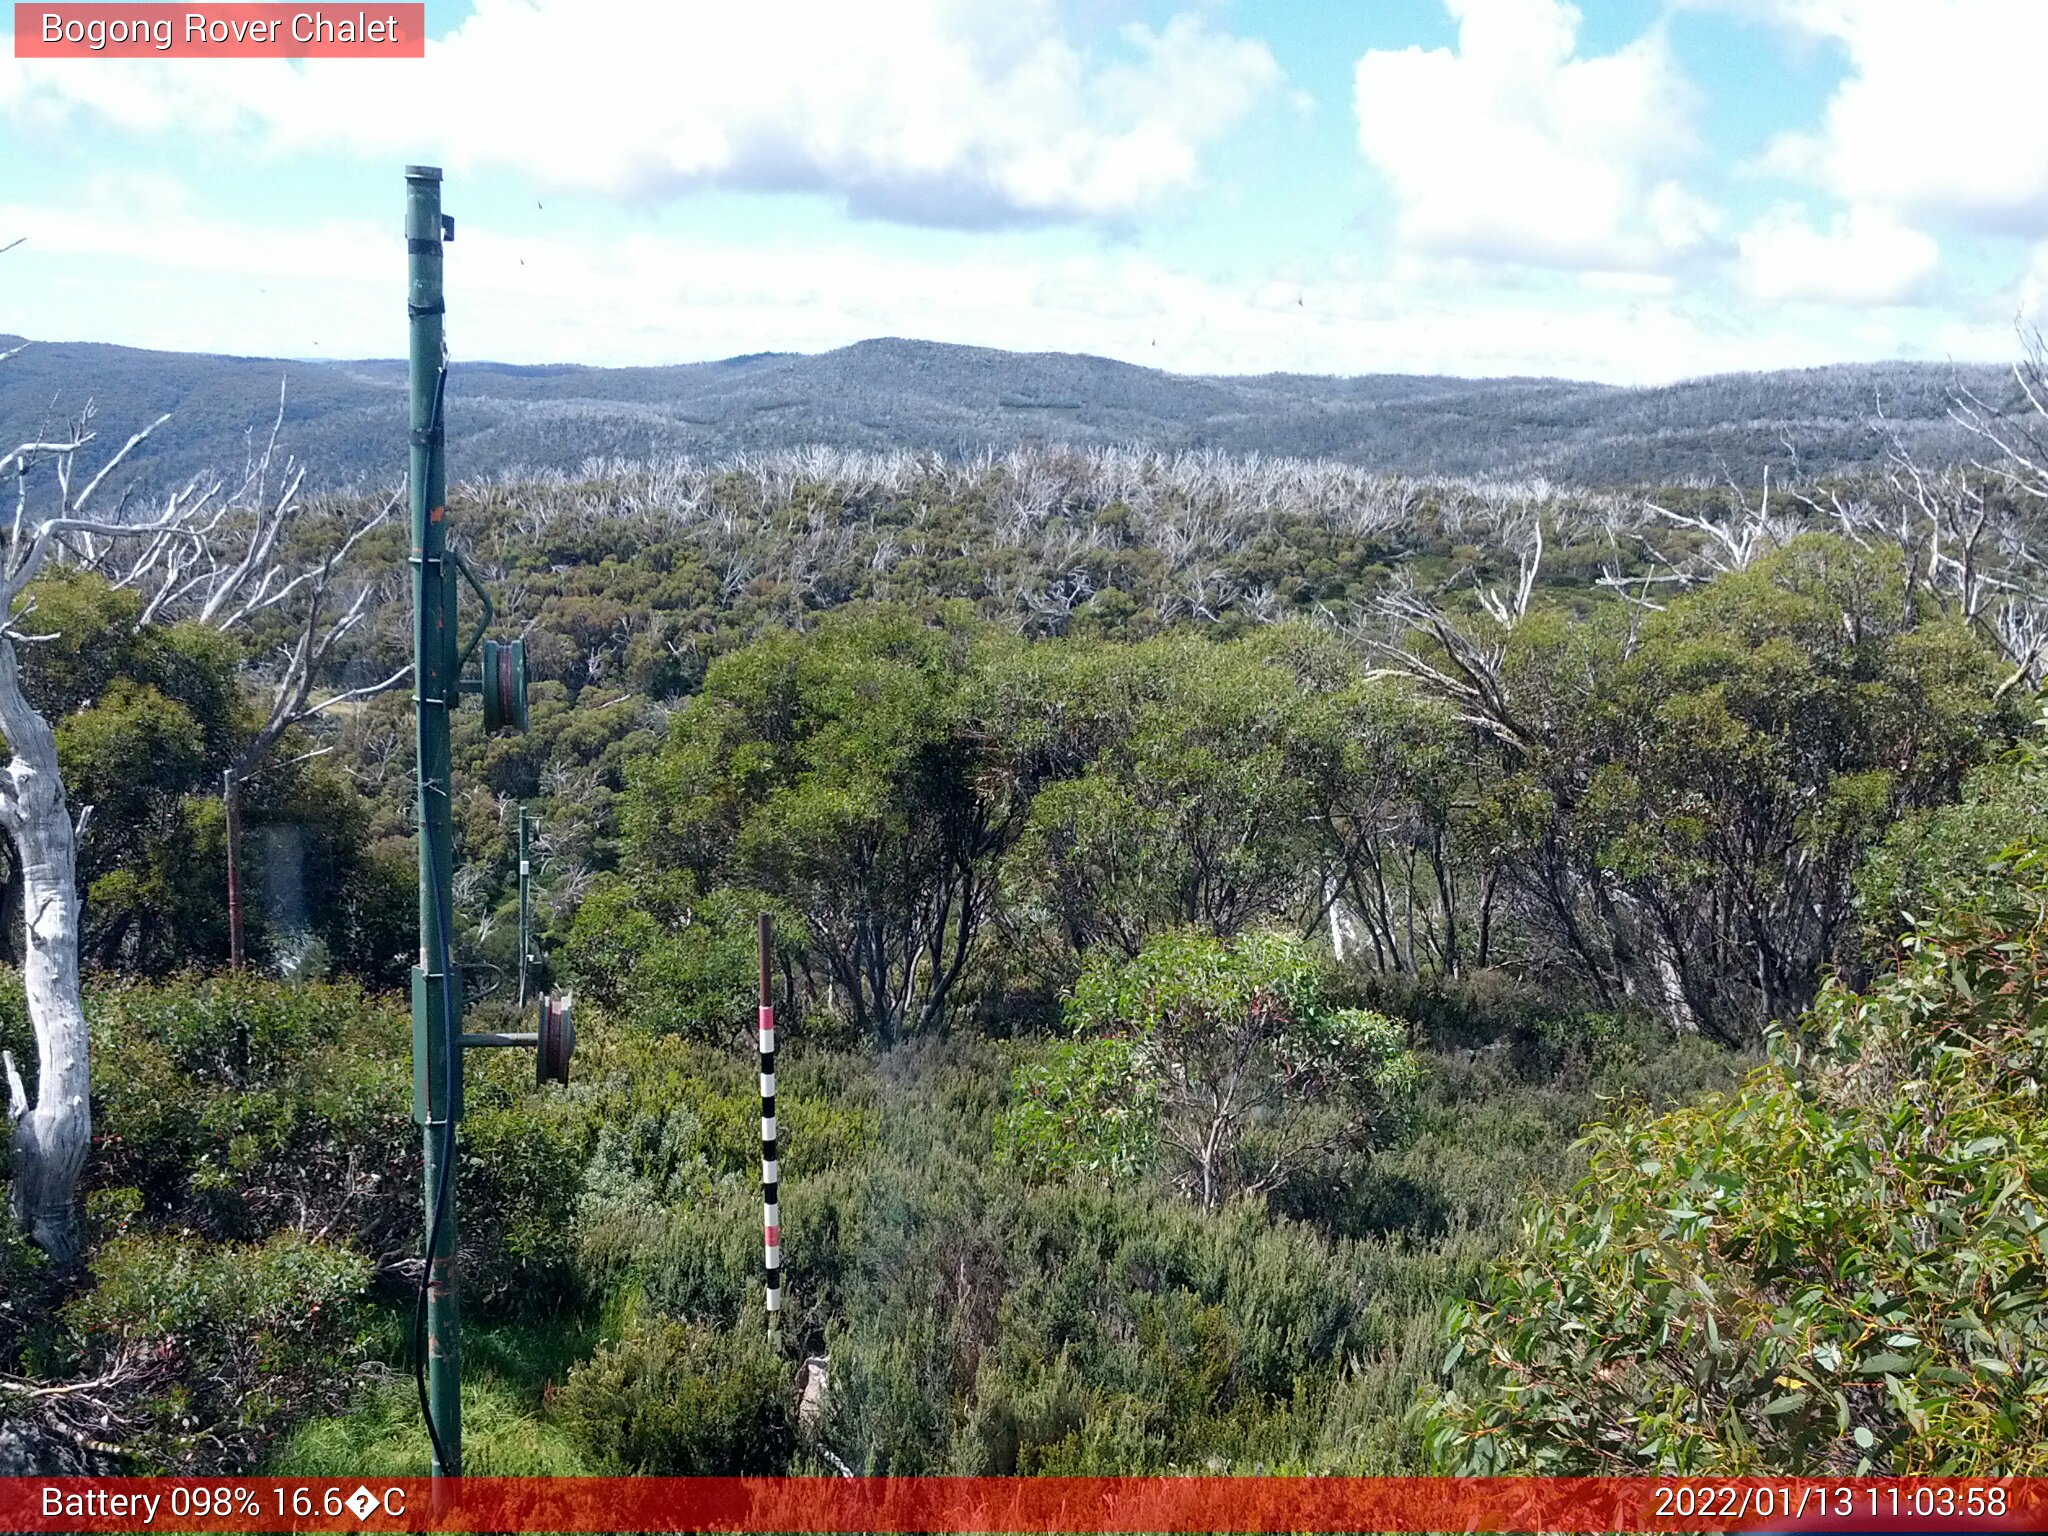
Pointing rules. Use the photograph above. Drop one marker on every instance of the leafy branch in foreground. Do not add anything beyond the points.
(1837, 1268)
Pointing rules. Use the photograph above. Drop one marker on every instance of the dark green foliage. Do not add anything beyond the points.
(842, 774)
(1684, 782)
(1682, 805)
(522, 1158)
(26, 1287)
(977, 1322)
(999, 743)
(1176, 797)
(681, 1399)
(254, 1185)
(234, 1105)
(1662, 812)
(1943, 858)
(1083, 1106)
(658, 952)
(146, 718)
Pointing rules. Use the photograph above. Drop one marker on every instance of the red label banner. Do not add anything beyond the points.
(1048, 1504)
(108, 30)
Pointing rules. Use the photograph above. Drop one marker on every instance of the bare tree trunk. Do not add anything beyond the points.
(50, 1138)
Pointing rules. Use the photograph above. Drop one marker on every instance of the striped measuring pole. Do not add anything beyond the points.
(771, 1213)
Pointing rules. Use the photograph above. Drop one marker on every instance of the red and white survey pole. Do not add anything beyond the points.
(771, 1213)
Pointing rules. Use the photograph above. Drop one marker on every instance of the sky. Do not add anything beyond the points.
(1632, 191)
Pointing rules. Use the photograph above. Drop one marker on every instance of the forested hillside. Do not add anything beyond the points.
(1439, 820)
(892, 395)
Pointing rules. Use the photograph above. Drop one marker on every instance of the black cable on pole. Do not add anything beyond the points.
(441, 1185)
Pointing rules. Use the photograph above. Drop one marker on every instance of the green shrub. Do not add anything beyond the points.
(1837, 1268)
(680, 1115)
(1085, 1106)
(1939, 860)
(682, 1399)
(26, 1286)
(667, 957)
(980, 1322)
(523, 1155)
(232, 1339)
(1229, 1059)
(223, 1295)
(237, 1104)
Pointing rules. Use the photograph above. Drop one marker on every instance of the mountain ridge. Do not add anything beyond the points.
(344, 418)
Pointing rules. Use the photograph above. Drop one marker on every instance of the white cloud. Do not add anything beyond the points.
(1513, 148)
(958, 112)
(162, 278)
(2031, 308)
(1866, 256)
(1939, 113)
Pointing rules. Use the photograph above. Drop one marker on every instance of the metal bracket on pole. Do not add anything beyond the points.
(483, 622)
(552, 1044)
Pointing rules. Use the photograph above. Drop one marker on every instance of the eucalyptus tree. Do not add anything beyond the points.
(842, 774)
(1684, 795)
(1183, 800)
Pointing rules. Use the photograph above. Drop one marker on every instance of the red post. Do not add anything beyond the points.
(231, 800)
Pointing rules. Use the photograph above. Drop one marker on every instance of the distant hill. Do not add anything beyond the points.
(347, 419)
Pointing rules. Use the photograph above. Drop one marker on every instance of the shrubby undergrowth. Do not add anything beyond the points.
(254, 1221)
(980, 1321)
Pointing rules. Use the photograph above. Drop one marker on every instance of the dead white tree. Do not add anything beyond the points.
(1461, 663)
(53, 1131)
(1735, 542)
(1508, 608)
(211, 556)
(1988, 551)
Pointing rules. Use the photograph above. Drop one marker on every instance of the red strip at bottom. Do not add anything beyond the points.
(993, 1504)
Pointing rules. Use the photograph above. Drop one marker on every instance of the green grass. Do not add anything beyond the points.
(511, 1366)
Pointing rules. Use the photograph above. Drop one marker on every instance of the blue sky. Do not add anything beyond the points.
(1628, 190)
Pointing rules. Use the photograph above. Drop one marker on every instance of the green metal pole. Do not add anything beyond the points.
(437, 1058)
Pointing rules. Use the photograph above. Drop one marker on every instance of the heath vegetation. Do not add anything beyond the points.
(1282, 968)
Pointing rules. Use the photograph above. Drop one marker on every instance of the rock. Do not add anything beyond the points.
(811, 1384)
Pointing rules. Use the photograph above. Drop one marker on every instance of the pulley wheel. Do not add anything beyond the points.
(557, 1040)
(504, 685)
